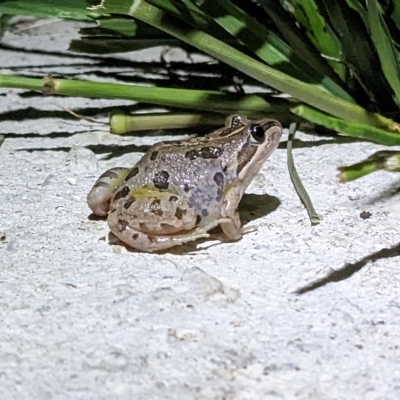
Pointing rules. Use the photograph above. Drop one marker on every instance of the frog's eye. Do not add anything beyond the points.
(257, 133)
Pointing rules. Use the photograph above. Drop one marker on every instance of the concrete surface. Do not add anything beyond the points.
(82, 319)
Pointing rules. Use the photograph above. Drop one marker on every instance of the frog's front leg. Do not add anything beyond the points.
(103, 190)
(232, 226)
(152, 220)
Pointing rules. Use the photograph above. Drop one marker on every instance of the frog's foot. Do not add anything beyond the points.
(102, 191)
(249, 229)
(151, 243)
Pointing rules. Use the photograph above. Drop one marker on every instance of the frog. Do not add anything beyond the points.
(180, 190)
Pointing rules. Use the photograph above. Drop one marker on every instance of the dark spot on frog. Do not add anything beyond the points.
(204, 212)
(173, 199)
(109, 174)
(204, 152)
(122, 224)
(186, 187)
(142, 226)
(133, 172)
(219, 195)
(211, 152)
(155, 208)
(226, 132)
(135, 236)
(198, 219)
(152, 239)
(129, 202)
(166, 226)
(153, 155)
(99, 184)
(122, 193)
(225, 168)
(219, 178)
(180, 212)
(192, 154)
(160, 180)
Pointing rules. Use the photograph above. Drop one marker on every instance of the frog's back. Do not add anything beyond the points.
(192, 169)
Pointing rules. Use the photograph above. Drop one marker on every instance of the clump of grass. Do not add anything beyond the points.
(338, 61)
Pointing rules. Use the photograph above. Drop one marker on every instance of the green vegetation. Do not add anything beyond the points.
(337, 61)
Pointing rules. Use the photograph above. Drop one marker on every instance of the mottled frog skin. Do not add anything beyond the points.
(180, 190)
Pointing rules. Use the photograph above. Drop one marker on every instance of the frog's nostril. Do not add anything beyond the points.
(272, 123)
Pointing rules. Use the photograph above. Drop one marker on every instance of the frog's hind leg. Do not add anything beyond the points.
(102, 191)
(151, 243)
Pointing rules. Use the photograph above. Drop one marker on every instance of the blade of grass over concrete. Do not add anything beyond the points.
(255, 69)
(361, 131)
(294, 176)
(207, 100)
(381, 160)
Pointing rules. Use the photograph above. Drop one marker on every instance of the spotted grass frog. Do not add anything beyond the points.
(180, 190)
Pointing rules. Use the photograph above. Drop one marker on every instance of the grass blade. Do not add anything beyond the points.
(253, 105)
(268, 46)
(294, 176)
(358, 54)
(362, 131)
(319, 32)
(381, 160)
(73, 9)
(288, 28)
(387, 53)
(253, 68)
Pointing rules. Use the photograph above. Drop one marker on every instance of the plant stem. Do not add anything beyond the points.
(121, 123)
(207, 100)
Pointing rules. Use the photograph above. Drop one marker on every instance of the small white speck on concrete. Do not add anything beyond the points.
(291, 311)
(71, 181)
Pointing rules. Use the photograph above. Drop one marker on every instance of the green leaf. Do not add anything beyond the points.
(72, 9)
(294, 176)
(396, 13)
(358, 53)
(253, 68)
(117, 26)
(267, 45)
(381, 160)
(361, 11)
(387, 53)
(358, 130)
(319, 32)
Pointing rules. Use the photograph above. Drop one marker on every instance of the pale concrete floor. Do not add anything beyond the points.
(81, 319)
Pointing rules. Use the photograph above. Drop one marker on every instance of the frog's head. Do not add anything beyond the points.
(258, 139)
